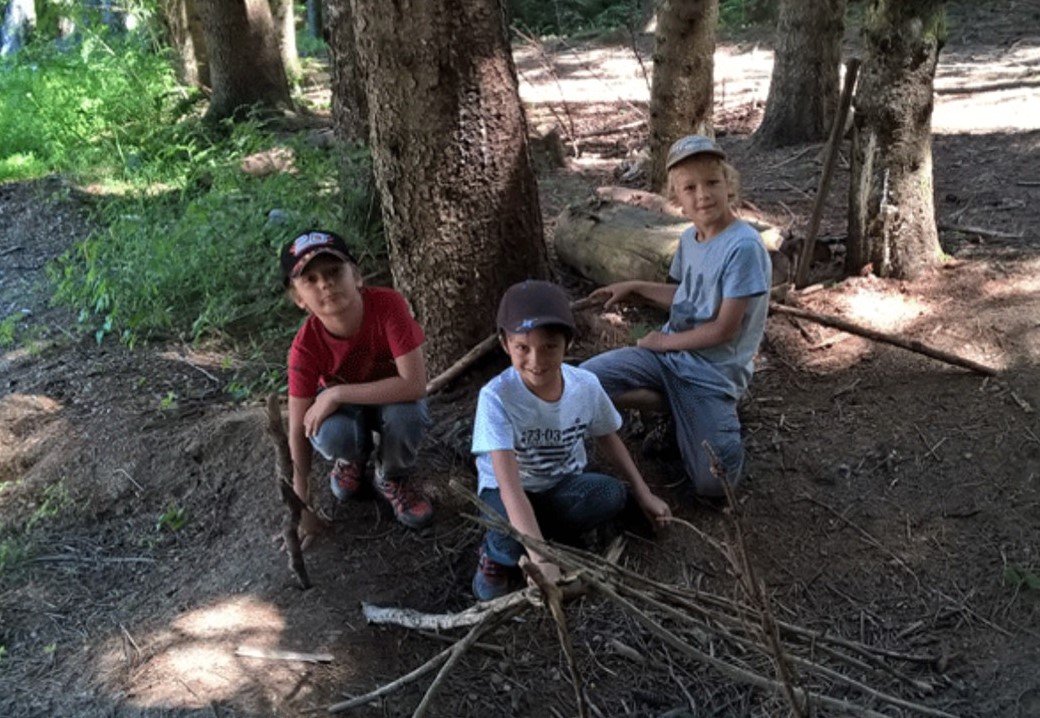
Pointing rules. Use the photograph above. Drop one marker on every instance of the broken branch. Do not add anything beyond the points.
(884, 337)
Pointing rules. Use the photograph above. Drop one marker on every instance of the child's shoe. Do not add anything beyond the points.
(345, 479)
(491, 579)
(411, 508)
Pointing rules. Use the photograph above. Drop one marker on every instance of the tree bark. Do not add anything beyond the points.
(176, 16)
(449, 151)
(245, 61)
(803, 90)
(18, 25)
(892, 229)
(682, 92)
(283, 14)
(349, 104)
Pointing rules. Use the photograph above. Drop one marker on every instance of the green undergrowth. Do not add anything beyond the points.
(186, 240)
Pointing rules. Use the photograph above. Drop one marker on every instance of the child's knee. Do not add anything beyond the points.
(724, 461)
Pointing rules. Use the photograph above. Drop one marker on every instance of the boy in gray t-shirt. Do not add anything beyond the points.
(702, 358)
(529, 439)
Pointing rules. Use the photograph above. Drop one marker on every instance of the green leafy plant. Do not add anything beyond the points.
(8, 325)
(173, 519)
(168, 402)
(1021, 578)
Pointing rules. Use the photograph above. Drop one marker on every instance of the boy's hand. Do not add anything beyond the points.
(324, 405)
(612, 293)
(310, 527)
(655, 510)
(654, 341)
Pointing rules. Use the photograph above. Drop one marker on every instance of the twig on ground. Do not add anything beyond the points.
(274, 654)
(884, 337)
(980, 231)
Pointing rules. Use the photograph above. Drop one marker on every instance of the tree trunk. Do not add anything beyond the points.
(681, 95)
(198, 42)
(245, 62)
(449, 149)
(19, 22)
(803, 91)
(316, 18)
(349, 104)
(284, 18)
(175, 18)
(892, 228)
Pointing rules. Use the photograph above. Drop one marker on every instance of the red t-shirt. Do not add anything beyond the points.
(388, 330)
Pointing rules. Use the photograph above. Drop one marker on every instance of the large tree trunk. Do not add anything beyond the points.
(803, 91)
(284, 16)
(449, 149)
(892, 228)
(681, 94)
(245, 61)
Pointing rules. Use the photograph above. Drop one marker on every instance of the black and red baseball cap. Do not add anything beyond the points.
(305, 247)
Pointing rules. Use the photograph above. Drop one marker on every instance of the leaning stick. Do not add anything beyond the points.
(884, 337)
(290, 532)
(470, 358)
(831, 153)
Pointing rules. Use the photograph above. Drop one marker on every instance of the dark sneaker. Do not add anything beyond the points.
(345, 479)
(411, 508)
(491, 579)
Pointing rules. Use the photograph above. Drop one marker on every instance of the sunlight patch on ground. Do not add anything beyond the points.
(882, 310)
(26, 421)
(192, 663)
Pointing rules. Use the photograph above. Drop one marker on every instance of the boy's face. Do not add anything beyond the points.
(700, 187)
(537, 356)
(327, 286)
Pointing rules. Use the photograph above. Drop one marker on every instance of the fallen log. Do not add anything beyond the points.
(884, 337)
(629, 234)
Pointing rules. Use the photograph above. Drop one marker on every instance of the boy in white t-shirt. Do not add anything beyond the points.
(529, 440)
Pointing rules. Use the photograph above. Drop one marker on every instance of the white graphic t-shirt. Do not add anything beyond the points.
(548, 437)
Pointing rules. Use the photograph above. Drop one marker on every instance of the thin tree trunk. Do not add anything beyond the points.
(245, 61)
(349, 103)
(803, 91)
(449, 148)
(892, 229)
(284, 16)
(682, 93)
(175, 18)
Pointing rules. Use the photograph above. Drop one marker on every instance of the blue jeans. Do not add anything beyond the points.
(700, 414)
(347, 434)
(575, 505)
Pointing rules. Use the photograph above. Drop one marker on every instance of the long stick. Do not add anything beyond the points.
(884, 337)
(295, 506)
(805, 258)
(470, 358)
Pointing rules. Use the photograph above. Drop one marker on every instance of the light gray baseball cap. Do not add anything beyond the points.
(692, 145)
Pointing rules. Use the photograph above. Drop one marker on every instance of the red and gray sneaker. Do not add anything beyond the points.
(411, 508)
(491, 579)
(345, 479)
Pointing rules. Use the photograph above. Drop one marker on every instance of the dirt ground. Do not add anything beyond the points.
(893, 500)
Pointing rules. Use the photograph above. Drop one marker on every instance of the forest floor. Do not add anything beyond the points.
(893, 500)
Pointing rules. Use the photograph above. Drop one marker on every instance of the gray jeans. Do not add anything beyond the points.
(347, 434)
(701, 415)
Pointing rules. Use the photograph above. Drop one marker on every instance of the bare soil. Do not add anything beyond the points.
(892, 499)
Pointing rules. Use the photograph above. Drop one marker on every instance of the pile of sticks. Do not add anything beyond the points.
(738, 638)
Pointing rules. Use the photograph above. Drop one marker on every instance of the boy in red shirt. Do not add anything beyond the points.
(356, 367)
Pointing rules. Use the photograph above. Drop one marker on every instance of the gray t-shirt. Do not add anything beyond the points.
(548, 437)
(731, 265)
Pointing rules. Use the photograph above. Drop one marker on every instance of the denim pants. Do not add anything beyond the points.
(700, 414)
(347, 434)
(575, 505)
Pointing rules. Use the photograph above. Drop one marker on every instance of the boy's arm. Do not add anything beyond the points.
(518, 506)
(301, 453)
(408, 385)
(723, 328)
(656, 509)
(658, 294)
